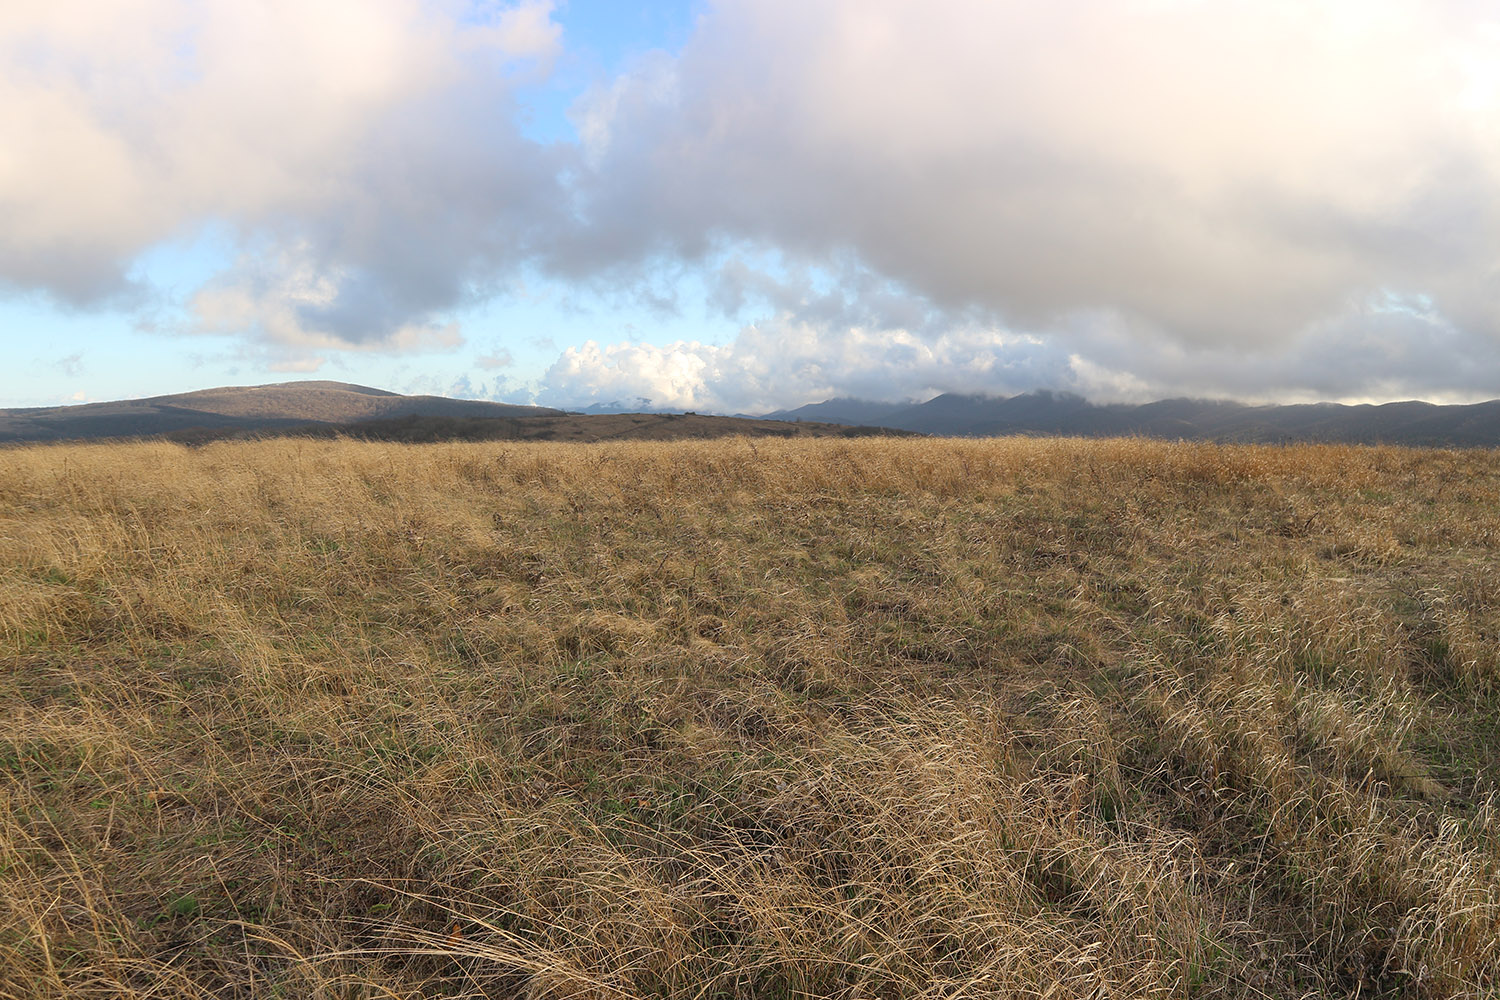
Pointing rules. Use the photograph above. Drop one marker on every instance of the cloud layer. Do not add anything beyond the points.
(785, 361)
(364, 154)
(1120, 196)
(1213, 170)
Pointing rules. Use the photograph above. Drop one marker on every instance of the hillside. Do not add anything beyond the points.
(743, 719)
(241, 408)
(1414, 424)
(333, 409)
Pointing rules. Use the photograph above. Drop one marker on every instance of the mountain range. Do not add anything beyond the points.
(324, 408)
(1049, 413)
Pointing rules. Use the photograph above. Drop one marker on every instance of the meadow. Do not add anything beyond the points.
(749, 718)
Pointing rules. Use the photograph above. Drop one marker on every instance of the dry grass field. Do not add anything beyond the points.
(751, 719)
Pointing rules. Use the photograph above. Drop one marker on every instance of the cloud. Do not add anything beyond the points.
(1285, 197)
(498, 357)
(829, 345)
(365, 155)
(498, 389)
(298, 304)
(1389, 348)
(305, 363)
(785, 362)
(1217, 174)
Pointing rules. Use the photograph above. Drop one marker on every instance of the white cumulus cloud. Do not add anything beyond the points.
(785, 362)
(366, 148)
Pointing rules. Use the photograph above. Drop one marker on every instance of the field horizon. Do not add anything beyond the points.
(320, 408)
(751, 717)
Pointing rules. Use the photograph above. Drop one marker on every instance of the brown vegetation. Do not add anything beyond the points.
(878, 718)
(573, 427)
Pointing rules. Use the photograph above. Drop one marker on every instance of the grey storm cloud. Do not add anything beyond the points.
(1129, 197)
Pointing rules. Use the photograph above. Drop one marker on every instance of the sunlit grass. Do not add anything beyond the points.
(740, 718)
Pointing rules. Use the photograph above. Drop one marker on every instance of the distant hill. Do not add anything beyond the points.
(1048, 413)
(328, 409)
(242, 408)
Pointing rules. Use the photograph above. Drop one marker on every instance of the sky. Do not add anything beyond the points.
(745, 205)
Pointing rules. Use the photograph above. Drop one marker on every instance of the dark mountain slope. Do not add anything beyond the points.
(1409, 423)
(248, 408)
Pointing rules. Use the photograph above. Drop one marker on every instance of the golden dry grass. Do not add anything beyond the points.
(879, 718)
